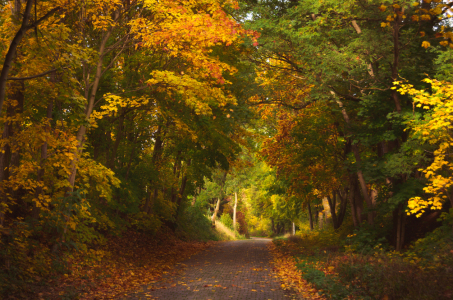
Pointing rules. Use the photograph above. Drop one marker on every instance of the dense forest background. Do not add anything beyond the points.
(152, 119)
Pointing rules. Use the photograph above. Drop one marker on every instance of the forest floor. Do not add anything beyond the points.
(316, 269)
(119, 267)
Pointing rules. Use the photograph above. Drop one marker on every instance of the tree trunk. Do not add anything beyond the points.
(320, 217)
(157, 153)
(310, 217)
(118, 138)
(352, 188)
(400, 227)
(11, 54)
(342, 212)
(234, 209)
(131, 157)
(176, 172)
(90, 96)
(358, 201)
(294, 229)
(8, 159)
(358, 159)
(182, 190)
(332, 204)
(216, 210)
(40, 176)
(316, 220)
(149, 205)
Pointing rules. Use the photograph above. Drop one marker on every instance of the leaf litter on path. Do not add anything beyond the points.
(126, 264)
(284, 265)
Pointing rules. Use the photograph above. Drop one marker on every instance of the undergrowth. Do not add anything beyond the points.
(106, 265)
(362, 266)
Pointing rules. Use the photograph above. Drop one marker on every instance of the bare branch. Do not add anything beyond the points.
(34, 76)
(279, 102)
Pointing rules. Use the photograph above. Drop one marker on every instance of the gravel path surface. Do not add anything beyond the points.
(228, 270)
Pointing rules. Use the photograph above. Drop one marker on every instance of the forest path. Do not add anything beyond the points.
(228, 270)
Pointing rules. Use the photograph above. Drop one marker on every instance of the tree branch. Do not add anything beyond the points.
(33, 76)
(279, 102)
(349, 97)
(43, 18)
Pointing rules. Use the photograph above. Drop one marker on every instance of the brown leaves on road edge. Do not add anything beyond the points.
(125, 264)
(284, 265)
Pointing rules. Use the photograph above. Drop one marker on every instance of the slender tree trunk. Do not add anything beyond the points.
(358, 159)
(157, 154)
(118, 138)
(176, 172)
(352, 188)
(90, 95)
(216, 210)
(316, 220)
(11, 54)
(131, 157)
(310, 217)
(40, 176)
(9, 159)
(182, 188)
(294, 229)
(320, 220)
(358, 204)
(400, 228)
(234, 209)
(343, 207)
(333, 213)
(150, 199)
(395, 64)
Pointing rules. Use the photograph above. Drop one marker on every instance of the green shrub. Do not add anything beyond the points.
(226, 219)
(325, 283)
(194, 225)
(366, 240)
(393, 278)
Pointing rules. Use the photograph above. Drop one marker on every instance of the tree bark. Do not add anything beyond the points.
(310, 217)
(9, 159)
(149, 205)
(342, 212)
(90, 96)
(316, 220)
(10, 55)
(39, 190)
(157, 153)
(216, 210)
(234, 209)
(400, 227)
(358, 159)
(358, 200)
(182, 188)
(118, 138)
(352, 188)
(332, 212)
(129, 163)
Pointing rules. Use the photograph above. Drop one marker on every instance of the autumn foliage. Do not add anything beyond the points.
(142, 119)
